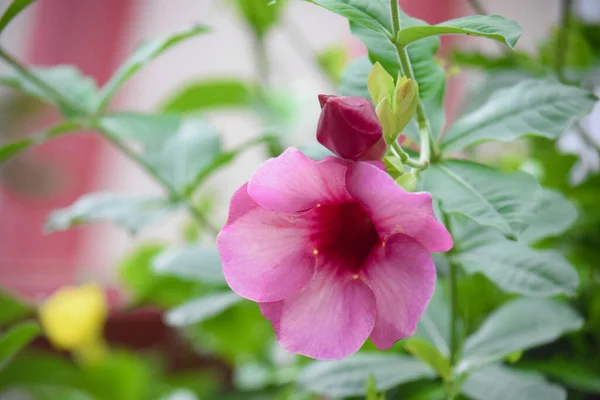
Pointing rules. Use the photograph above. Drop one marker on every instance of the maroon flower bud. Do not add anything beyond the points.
(349, 127)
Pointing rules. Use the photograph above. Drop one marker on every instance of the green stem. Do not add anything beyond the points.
(33, 78)
(173, 193)
(563, 40)
(454, 336)
(395, 18)
(428, 146)
(405, 158)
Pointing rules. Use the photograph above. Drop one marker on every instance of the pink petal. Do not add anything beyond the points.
(266, 255)
(329, 320)
(293, 182)
(393, 210)
(402, 276)
(241, 203)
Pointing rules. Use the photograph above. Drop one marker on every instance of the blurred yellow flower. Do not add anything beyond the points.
(73, 319)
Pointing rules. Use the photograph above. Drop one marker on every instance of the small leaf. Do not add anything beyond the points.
(14, 8)
(497, 382)
(494, 27)
(201, 309)
(209, 95)
(11, 149)
(372, 14)
(483, 194)
(518, 325)
(538, 107)
(145, 53)
(15, 339)
(66, 80)
(436, 115)
(348, 377)
(554, 215)
(180, 149)
(426, 352)
(131, 212)
(512, 265)
(199, 263)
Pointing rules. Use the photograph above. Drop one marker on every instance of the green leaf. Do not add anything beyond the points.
(579, 54)
(497, 382)
(434, 325)
(33, 368)
(15, 339)
(428, 74)
(49, 392)
(179, 149)
(145, 53)
(426, 352)
(538, 107)
(261, 15)
(483, 194)
(518, 325)
(66, 80)
(201, 309)
(13, 9)
(517, 61)
(136, 272)
(494, 27)
(221, 335)
(131, 212)
(11, 149)
(198, 263)
(354, 78)
(120, 376)
(209, 95)
(554, 215)
(491, 83)
(372, 14)
(348, 377)
(12, 309)
(512, 265)
(570, 372)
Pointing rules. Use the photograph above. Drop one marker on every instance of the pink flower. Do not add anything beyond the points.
(334, 251)
(349, 127)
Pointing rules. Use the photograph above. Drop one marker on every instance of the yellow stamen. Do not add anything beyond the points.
(316, 252)
(355, 276)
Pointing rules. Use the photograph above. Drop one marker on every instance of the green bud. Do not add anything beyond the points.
(387, 119)
(380, 84)
(393, 166)
(408, 181)
(406, 98)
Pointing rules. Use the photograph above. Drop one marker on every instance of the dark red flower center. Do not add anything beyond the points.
(344, 235)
